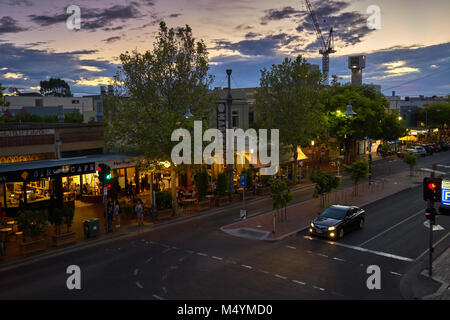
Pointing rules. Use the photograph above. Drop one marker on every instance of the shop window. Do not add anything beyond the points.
(235, 119)
(38, 191)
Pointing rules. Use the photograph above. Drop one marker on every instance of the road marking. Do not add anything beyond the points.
(318, 288)
(281, 277)
(293, 248)
(395, 273)
(389, 229)
(202, 254)
(148, 260)
(217, 258)
(164, 289)
(175, 248)
(434, 245)
(232, 262)
(245, 266)
(157, 297)
(379, 253)
(136, 271)
(167, 250)
(189, 251)
(139, 285)
(265, 272)
(299, 282)
(322, 255)
(337, 259)
(436, 227)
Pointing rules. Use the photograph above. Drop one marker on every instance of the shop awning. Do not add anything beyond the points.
(408, 138)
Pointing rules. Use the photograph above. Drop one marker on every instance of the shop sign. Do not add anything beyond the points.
(120, 163)
(42, 173)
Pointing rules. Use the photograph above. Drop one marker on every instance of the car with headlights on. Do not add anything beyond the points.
(337, 220)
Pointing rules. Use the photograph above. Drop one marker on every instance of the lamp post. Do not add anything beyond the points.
(229, 165)
(349, 113)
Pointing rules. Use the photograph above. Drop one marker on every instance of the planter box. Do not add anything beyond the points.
(64, 239)
(221, 201)
(32, 246)
(203, 205)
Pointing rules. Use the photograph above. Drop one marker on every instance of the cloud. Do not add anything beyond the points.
(112, 39)
(94, 82)
(93, 19)
(9, 25)
(266, 46)
(27, 3)
(39, 64)
(274, 14)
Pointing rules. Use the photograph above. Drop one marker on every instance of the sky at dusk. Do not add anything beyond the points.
(409, 53)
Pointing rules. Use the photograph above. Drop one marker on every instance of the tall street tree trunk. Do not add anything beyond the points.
(173, 179)
(295, 167)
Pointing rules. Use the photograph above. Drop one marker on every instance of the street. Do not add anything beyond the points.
(194, 259)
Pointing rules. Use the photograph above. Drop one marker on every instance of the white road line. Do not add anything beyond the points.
(164, 289)
(189, 251)
(318, 288)
(389, 229)
(157, 297)
(322, 255)
(299, 282)
(174, 248)
(167, 250)
(337, 259)
(217, 258)
(281, 277)
(293, 248)
(265, 272)
(139, 285)
(202, 254)
(383, 254)
(245, 266)
(395, 273)
(232, 262)
(148, 260)
(136, 271)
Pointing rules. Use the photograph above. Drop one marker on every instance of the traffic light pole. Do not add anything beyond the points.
(430, 266)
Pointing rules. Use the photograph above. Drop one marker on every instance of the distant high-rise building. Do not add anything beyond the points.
(356, 64)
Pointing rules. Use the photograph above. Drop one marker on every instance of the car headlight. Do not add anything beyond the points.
(331, 228)
(312, 224)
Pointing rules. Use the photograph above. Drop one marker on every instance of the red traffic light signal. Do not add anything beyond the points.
(432, 189)
(99, 169)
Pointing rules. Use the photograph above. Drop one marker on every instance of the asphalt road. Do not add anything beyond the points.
(195, 260)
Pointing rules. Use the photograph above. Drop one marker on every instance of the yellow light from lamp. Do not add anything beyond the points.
(165, 164)
(338, 111)
(312, 143)
(332, 234)
(331, 228)
(310, 230)
(400, 118)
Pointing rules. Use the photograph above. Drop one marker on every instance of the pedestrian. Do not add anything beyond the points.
(109, 214)
(117, 213)
(140, 212)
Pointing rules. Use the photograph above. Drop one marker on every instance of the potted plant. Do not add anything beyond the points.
(221, 189)
(163, 203)
(58, 217)
(33, 224)
(201, 183)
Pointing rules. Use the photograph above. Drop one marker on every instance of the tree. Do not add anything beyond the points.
(436, 115)
(358, 170)
(289, 99)
(222, 184)
(410, 160)
(325, 183)
(2, 104)
(281, 196)
(55, 87)
(152, 93)
(201, 183)
(371, 119)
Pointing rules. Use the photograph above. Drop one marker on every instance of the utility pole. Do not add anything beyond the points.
(229, 165)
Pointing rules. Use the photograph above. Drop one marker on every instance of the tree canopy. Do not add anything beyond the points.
(55, 87)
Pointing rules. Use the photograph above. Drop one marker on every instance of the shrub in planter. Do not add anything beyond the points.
(201, 184)
(221, 184)
(127, 209)
(163, 200)
(32, 223)
(67, 215)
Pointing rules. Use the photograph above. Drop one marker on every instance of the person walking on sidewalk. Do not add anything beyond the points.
(140, 212)
(109, 214)
(117, 213)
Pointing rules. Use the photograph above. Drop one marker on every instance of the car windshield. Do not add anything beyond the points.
(334, 213)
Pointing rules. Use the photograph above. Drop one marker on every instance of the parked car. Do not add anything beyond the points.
(437, 147)
(428, 148)
(444, 145)
(337, 220)
(417, 151)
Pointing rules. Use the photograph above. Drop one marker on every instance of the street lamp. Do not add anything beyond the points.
(188, 113)
(349, 112)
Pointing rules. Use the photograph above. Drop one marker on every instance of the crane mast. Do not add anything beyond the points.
(327, 46)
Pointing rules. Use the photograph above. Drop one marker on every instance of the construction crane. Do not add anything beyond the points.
(327, 46)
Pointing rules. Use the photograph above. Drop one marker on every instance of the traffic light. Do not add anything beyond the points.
(104, 173)
(432, 189)
(430, 214)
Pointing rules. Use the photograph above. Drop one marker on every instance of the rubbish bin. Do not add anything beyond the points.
(91, 228)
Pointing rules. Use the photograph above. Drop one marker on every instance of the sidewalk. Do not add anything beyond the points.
(300, 215)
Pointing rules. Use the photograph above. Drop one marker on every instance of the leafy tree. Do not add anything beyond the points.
(55, 87)
(325, 183)
(410, 160)
(358, 170)
(371, 119)
(289, 99)
(281, 196)
(153, 90)
(73, 117)
(436, 115)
